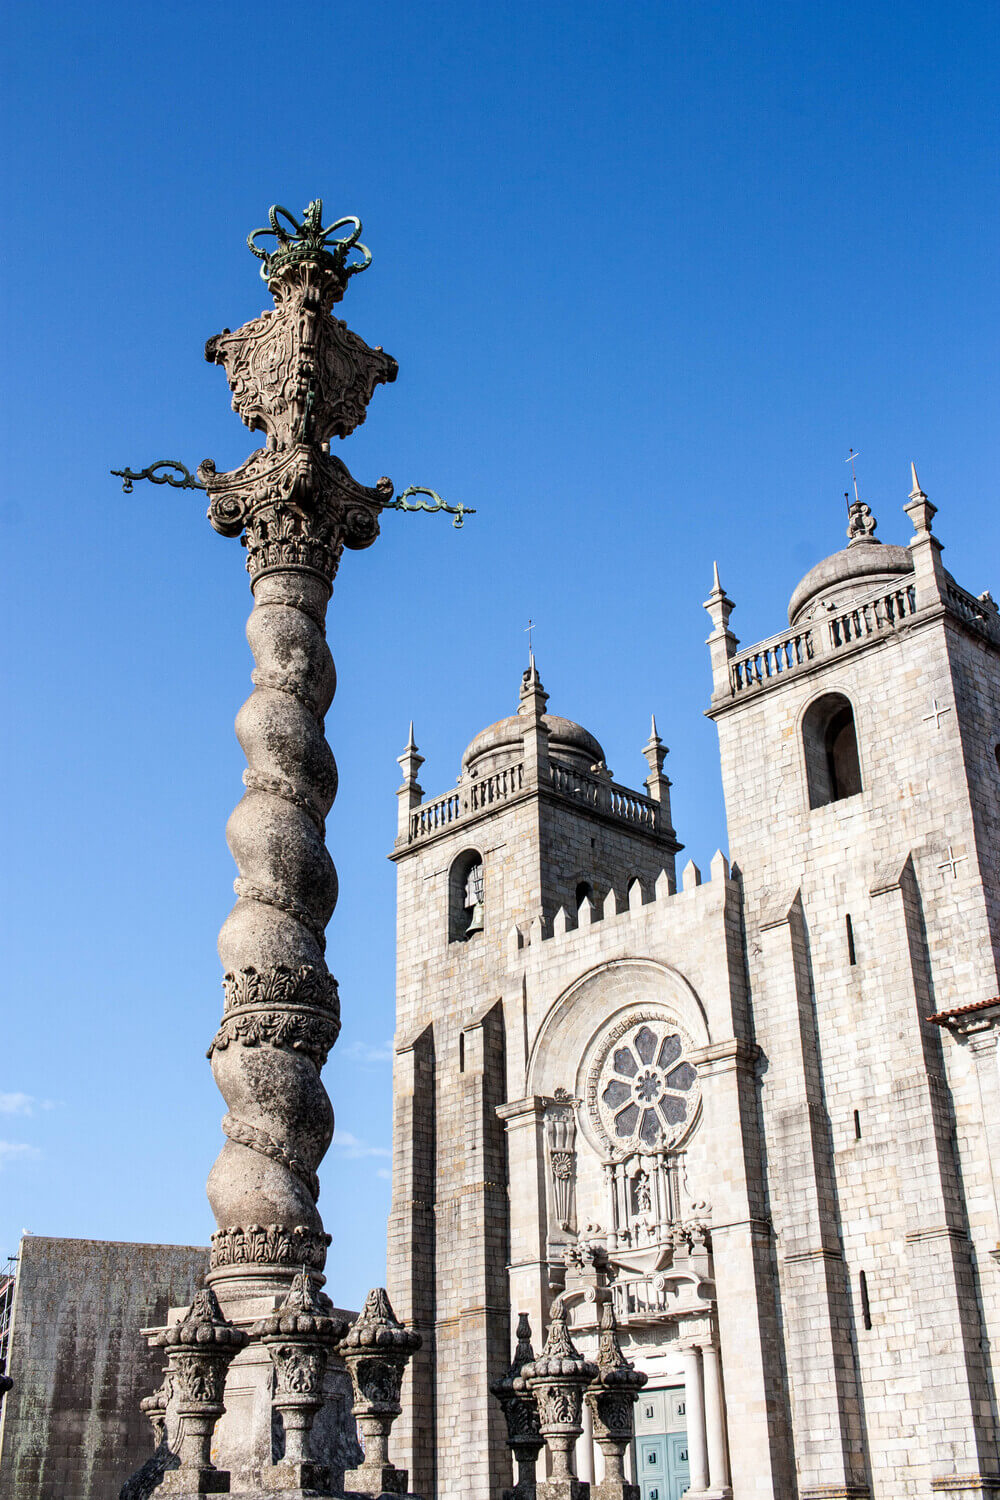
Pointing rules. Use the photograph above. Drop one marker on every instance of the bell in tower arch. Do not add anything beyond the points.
(474, 898)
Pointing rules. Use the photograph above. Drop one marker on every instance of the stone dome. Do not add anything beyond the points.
(843, 576)
(500, 745)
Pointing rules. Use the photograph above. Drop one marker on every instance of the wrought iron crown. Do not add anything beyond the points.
(309, 241)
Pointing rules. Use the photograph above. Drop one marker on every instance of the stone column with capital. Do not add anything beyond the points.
(715, 1420)
(695, 1402)
(301, 377)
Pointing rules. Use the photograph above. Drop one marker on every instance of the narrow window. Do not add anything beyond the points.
(830, 742)
(866, 1310)
(852, 956)
(461, 1051)
(996, 757)
(584, 892)
(857, 1126)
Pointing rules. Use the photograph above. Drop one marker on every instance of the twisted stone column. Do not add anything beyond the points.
(281, 1009)
(302, 377)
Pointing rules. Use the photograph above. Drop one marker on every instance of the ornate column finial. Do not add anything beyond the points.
(611, 1397)
(301, 377)
(376, 1351)
(199, 1351)
(300, 1336)
(520, 1410)
(557, 1380)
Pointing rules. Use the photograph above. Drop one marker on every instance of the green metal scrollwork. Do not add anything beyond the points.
(187, 482)
(310, 237)
(458, 511)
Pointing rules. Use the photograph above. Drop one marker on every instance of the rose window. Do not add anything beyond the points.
(647, 1089)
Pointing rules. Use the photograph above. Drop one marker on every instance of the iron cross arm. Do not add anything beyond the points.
(181, 478)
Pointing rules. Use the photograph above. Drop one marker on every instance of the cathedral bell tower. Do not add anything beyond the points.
(860, 749)
(535, 828)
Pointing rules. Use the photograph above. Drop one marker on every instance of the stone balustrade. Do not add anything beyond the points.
(476, 794)
(981, 614)
(877, 614)
(468, 798)
(635, 1298)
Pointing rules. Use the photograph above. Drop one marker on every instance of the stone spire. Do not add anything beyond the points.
(925, 549)
(657, 783)
(722, 643)
(411, 792)
(535, 735)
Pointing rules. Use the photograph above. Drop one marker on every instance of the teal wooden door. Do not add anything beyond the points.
(652, 1455)
(678, 1473)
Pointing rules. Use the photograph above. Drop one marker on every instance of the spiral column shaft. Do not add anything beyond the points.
(281, 1013)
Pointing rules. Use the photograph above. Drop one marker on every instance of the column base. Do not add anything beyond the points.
(520, 1492)
(290, 1480)
(614, 1489)
(562, 1489)
(185, 1484)
(724, 1492)
(387, 1480)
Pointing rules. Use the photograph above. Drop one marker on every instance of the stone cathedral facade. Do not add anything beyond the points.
(758, 1109)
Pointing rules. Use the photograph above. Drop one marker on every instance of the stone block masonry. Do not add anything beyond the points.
(71, 1426)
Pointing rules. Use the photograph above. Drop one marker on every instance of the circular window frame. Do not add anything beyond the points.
(619, 1149)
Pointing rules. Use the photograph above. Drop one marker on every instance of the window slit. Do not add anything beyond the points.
(852, 956)
(866, 1310)
(857, 1126)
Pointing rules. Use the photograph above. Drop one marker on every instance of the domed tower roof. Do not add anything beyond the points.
(499, 744)
(862, 565)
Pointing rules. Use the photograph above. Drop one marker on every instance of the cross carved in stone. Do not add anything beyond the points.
(936, 713)
(952, 862)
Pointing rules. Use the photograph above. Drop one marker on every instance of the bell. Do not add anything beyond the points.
(476, 922)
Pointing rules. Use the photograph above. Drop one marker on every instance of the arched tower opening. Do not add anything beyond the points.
(830, 743)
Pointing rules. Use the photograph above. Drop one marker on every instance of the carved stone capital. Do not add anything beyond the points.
(269, 1244)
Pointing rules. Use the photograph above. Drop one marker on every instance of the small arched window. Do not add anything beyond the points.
(584, 892)
(466, 889)
(830, 742)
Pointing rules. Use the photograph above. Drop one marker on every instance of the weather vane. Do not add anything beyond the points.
(850, 460)
(860, 521)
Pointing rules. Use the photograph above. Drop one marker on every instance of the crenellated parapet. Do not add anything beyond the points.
(615, 908)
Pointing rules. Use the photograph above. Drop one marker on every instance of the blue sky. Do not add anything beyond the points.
(648, 269)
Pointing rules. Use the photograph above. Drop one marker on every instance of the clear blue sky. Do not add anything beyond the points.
(648, 269)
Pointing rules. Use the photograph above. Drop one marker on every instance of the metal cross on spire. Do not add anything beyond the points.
(860, 521)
